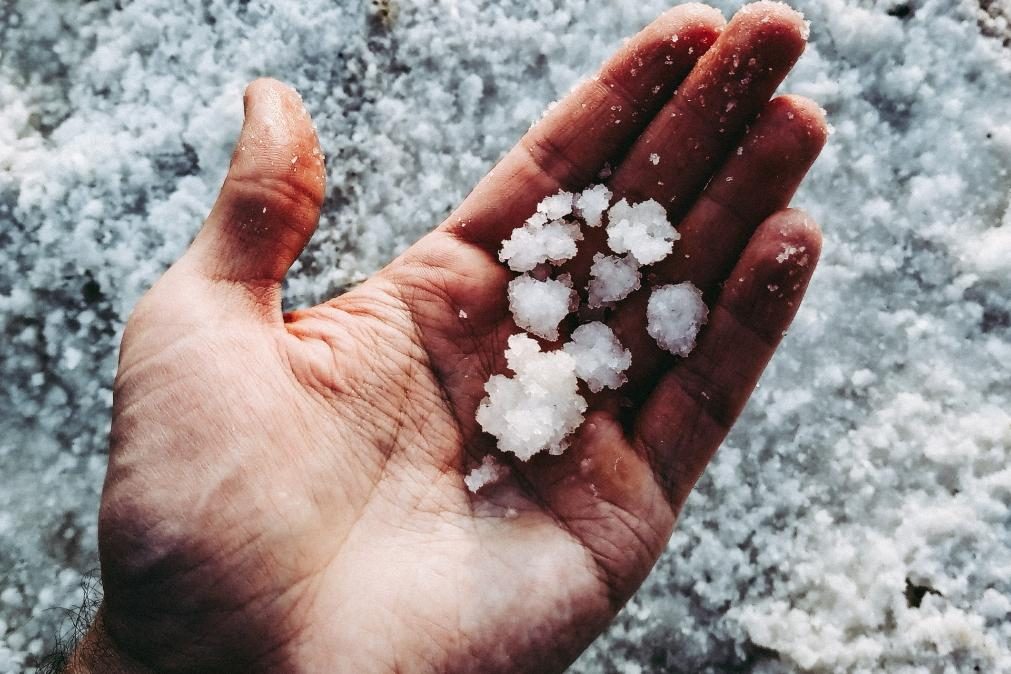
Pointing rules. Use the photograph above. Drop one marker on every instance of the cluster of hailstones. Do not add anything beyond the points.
(540, 406)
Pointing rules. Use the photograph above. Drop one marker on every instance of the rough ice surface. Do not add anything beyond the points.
(990, 256)
(489, 472)
(536, 242)
(591, 204)
(600, 358)
(834, 506)
(539, 306)
(674, 316)
(557, 205)
(535, 410)
(641, 229)
(612, 278)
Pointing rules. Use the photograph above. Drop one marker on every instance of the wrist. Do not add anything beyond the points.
(98, 652)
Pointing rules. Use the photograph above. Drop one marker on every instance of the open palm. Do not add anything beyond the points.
(285, 492)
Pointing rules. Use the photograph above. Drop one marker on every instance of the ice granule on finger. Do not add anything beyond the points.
(641, 229)
(612, 278)
(536, 409)
(537, 242)
(539, 306)
(600, 358)
(674, 316)
(489, 472)
(557, 206)
(592, 203)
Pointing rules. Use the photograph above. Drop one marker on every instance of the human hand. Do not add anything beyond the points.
(285, 492)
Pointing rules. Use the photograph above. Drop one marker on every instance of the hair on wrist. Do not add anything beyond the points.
(74, 625)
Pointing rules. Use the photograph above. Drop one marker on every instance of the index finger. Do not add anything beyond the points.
(594, 125)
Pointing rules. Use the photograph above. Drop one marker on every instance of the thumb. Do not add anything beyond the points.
(270, 202)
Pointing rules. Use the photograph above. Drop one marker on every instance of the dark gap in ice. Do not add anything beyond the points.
(658, 658)
(996, 314)
(177, 164)
(63, 541)
(755, 654)
(382, 14)
(915, 593)
(901, 11)
(91, 291)
(995, 20)
(897, 114)
(994, 320)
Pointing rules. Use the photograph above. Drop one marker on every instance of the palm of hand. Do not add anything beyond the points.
(287, 492)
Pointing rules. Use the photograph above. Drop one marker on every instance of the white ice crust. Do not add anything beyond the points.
(835, 490)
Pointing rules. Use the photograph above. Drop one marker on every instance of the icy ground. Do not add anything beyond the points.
(858, 517)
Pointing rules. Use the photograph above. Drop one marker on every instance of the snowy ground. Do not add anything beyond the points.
(858, 518)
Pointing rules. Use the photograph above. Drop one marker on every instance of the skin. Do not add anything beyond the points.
(285, 491)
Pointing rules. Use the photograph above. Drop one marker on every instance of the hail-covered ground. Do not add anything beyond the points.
(858, 518)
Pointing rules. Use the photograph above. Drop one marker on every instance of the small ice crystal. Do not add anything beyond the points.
(539, 241)
(674, 316)
(539, 306)
(787, 251)
(612, 278)
(536, 409)
(642, 230)
(600, 358)
(592, 203)
(489, 472)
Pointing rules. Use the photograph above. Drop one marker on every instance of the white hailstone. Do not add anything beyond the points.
(592, 203)
(612, 278)
(600, 358)
(489, 472)
(674, 315)
(641, 229)
(538, 408)
(537, 242)
(539, 306)
(557, 206)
